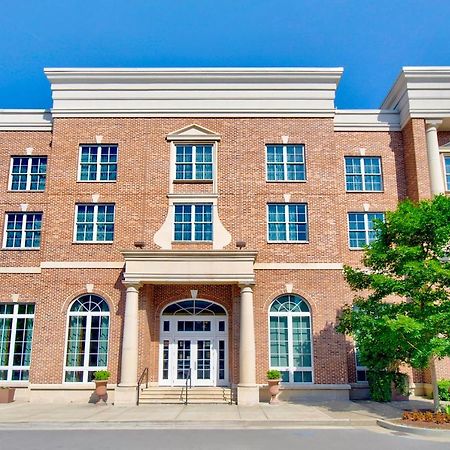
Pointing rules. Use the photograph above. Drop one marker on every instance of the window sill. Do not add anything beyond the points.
(21, 249)
(26, 190)
(364, 192)
(288, 242)
(92, 242)
(192, 242)
(192, 181)
(96, 181)
(286, 181)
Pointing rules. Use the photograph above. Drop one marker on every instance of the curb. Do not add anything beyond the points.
(430, 432)
(193, 425)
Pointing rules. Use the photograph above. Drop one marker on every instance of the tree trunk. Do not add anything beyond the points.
(434, 384)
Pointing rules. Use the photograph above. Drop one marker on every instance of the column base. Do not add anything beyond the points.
(248, 395)
(125, 396)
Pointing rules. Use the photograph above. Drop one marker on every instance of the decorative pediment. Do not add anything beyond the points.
(193, 133)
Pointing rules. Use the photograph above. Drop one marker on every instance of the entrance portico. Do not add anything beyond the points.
(197, 342)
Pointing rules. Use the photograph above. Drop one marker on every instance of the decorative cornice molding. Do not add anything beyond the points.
(195, 92)
(420, 92)
(366, 120)
(25, 120)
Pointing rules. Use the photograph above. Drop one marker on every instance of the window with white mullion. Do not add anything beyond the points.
(16, 331)
(447, 171)
(28, 173)
(22, 231)
(94, 223)
(363, 174)
(287, 222)
(194, 162)
(193, 222)
(285, 162)
(361, 228)
(87, 339)
(97, 163)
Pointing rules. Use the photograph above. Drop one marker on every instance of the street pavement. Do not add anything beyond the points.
(311, 439)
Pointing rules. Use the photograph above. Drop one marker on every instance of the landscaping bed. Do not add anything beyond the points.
(425, 419)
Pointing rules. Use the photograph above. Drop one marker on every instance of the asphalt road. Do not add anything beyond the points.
(310, 439)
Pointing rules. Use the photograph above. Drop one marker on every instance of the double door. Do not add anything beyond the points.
(195, 349)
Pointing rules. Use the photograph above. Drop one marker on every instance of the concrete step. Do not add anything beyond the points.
(198, 395)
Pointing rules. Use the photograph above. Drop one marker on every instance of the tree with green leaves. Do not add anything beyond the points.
(403, 313)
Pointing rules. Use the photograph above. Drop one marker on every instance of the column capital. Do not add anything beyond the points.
(132, 285)
(244, 285)
(433, 123)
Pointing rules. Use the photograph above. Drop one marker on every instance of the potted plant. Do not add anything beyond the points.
(273, 380)
(101, 378)
(7, 394)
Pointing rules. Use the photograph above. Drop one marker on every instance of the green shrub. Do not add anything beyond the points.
(401, 382)
(273, 374)
(444, 386)
(380, 385)
(102, 375)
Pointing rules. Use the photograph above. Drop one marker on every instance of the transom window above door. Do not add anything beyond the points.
(194, 308)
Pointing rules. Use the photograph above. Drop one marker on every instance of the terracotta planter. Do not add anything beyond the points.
(7, 395)
(274, 390)
(101, 387)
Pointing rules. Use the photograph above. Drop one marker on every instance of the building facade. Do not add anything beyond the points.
(195, 223)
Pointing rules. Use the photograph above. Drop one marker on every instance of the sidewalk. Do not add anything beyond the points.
(283, 415)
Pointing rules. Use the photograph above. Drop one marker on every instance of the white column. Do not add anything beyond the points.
(248, 391)
(434, 158)
(125, 393)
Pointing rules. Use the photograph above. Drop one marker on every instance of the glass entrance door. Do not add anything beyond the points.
(196, 355)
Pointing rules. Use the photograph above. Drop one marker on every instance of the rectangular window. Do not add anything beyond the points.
(193, 222)
(23, 230)
(361, 228)
(363, 174)
(286, 162)
(447, 172)
(28, 173)
(361, 371)
(94, 223)
(98, 163)
(287, 222)
(16, 332)
(193, 162)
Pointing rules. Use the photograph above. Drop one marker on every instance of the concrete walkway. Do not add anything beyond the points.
(333, 413)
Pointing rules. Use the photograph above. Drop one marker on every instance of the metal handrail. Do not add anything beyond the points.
(188, 378)
(138, 387)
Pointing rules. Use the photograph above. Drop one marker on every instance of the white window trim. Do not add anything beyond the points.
(194, 162)
(287, 241)
(359, 368)
(22, 231)
(172, 172)
(363, 174)
(85, 367)
(28, 174)
(445, 154)
(192, 222)
(10, 367)
(95, 222)
(291, 368)
(285, 164)
(366, 227)
(98, 164)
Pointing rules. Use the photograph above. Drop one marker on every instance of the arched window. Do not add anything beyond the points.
(87, 338)
(290, 339)
(194, 308)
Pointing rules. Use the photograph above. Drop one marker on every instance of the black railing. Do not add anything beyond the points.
(188, 380)
(144, 374)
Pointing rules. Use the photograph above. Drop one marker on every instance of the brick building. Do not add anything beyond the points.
(196, 221)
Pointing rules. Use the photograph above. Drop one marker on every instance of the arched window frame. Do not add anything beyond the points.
(86, 370)
(291, 371)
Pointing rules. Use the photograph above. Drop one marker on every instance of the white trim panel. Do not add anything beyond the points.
(367, 120)
(206, 92)
(298, 266)
(25, 120)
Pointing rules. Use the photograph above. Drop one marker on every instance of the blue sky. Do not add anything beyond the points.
(370, 39)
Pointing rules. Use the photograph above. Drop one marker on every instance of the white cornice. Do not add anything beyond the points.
(199, 92)
(420, 92)
(366, 120)
(25, 120)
